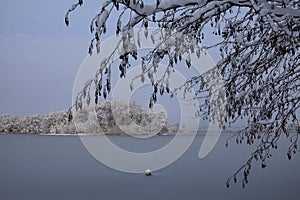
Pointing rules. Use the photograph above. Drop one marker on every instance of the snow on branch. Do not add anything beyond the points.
(259, 45)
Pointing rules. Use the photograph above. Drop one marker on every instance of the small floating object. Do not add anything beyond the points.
(148, 172)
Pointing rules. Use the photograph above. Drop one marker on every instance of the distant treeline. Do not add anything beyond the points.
(110, 117)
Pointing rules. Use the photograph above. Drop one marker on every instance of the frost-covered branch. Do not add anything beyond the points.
(259, 44)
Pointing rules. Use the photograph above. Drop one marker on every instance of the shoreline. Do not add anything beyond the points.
(84, 134)
(199, 133)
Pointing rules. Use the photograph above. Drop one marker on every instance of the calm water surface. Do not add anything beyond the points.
(37, 167)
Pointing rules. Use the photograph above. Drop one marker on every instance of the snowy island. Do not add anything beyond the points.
(114, 117)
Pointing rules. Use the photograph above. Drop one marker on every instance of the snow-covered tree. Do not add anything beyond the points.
(259, 44)
(119, 117)
(9, 124)
(125, 118)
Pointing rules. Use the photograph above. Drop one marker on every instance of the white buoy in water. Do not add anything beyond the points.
(148, 172)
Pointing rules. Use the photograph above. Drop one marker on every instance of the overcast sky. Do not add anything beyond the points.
(39, 55)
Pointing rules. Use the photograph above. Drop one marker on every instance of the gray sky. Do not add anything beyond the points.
(39, 55)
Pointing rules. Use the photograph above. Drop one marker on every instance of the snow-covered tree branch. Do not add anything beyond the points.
(259, 44)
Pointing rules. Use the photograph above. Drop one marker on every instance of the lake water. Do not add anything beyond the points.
(36, 167)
